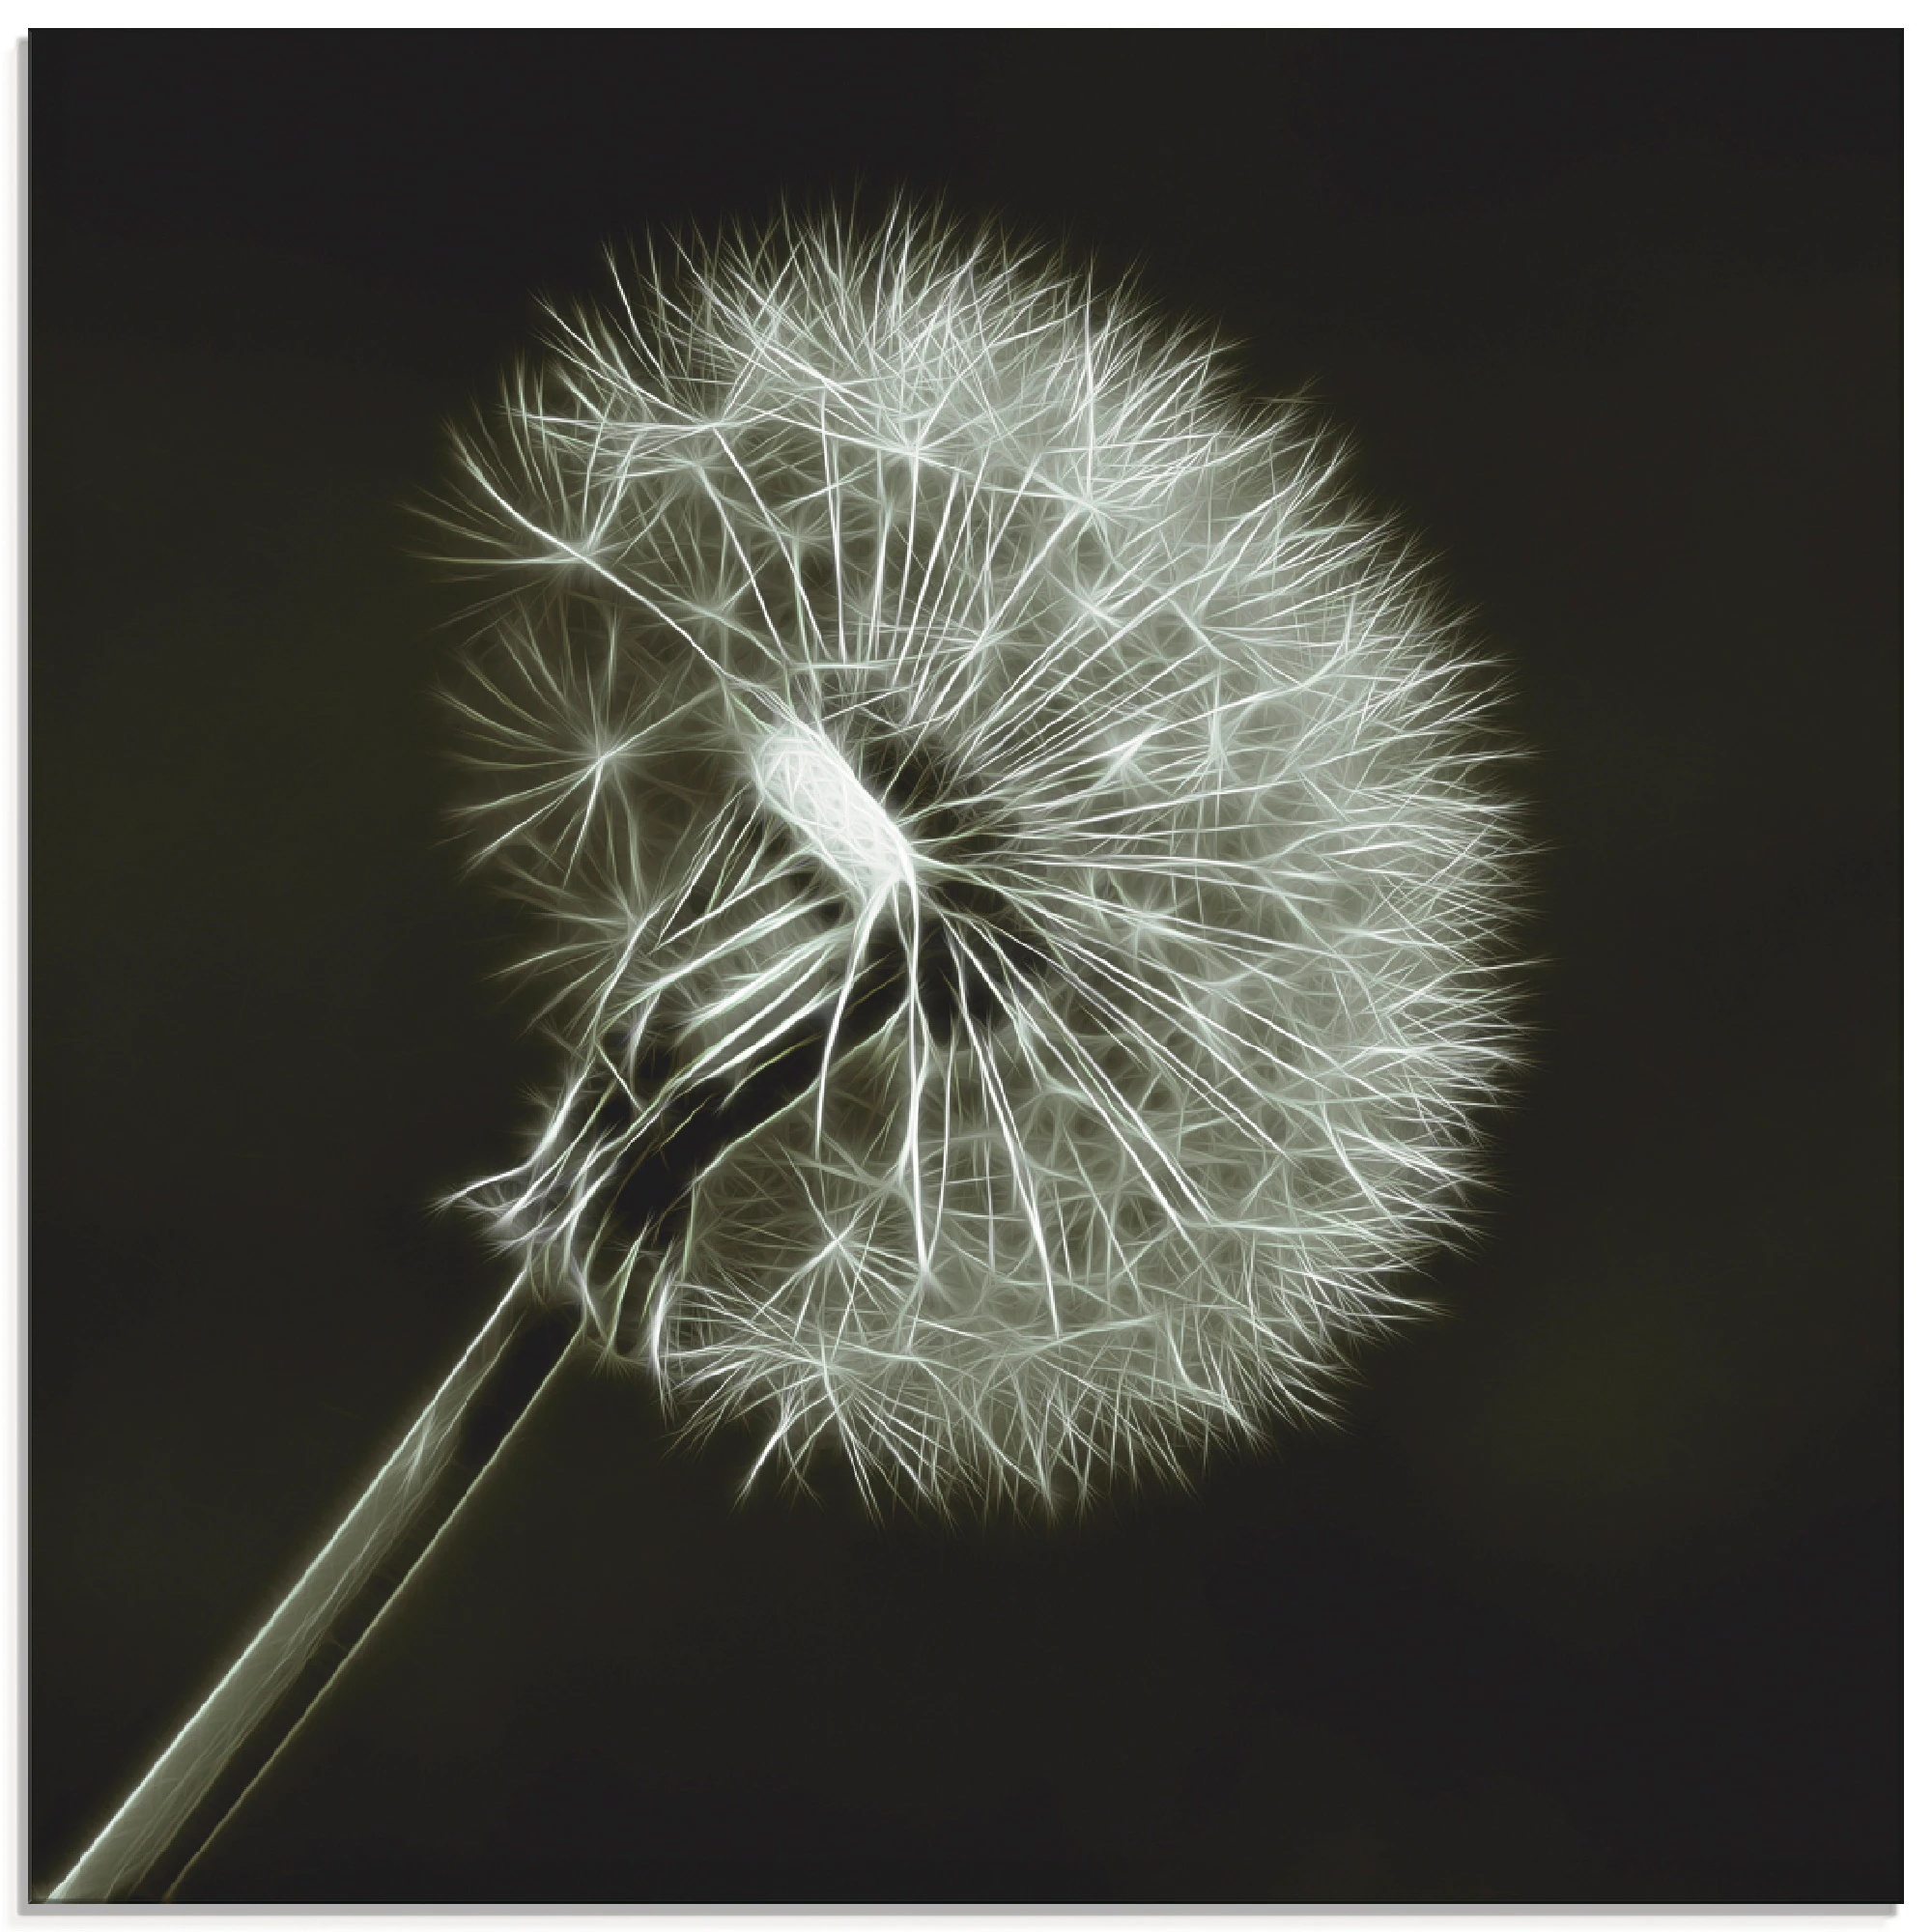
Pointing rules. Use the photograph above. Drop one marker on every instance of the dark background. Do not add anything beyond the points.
(1595, 1596)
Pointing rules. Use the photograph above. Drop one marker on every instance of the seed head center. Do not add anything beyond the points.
(803, 779)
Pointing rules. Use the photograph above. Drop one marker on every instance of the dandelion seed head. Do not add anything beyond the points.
(895, 634)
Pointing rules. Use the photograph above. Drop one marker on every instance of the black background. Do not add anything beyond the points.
(1595, 1596)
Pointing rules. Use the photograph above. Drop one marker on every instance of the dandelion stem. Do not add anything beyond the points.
(219, 1754)
(240, 1727)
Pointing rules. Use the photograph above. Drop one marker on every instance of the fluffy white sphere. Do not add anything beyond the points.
(992, 784)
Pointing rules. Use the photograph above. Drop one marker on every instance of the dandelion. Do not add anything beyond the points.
(899, 611)
(1022, 900)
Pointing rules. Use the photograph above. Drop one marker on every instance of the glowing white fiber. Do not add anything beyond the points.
(900, 604)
